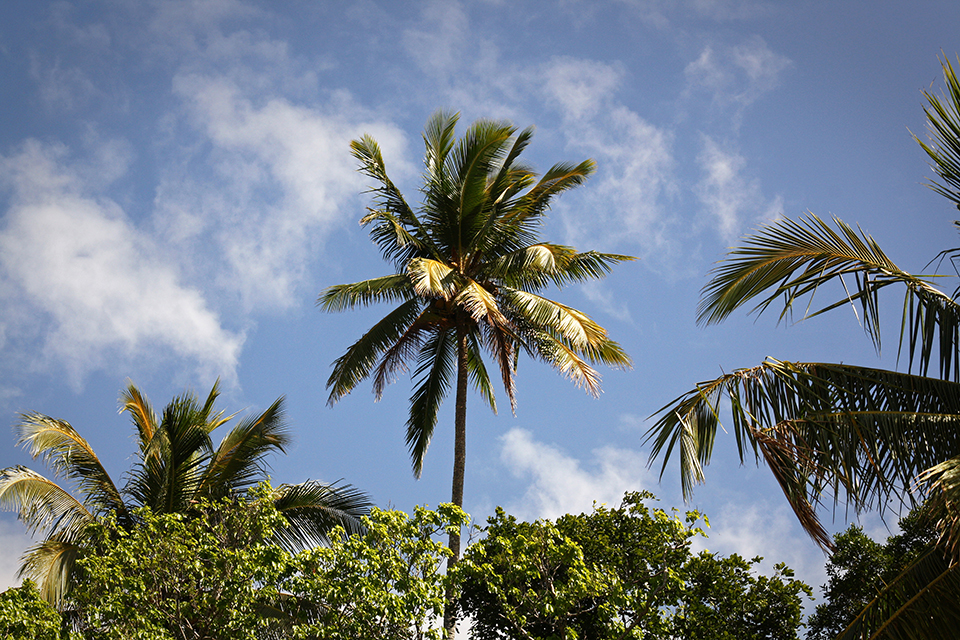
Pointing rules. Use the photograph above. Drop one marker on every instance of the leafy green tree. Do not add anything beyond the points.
(385, 583)
(212, 576)
(177, 466)
(859, 569)
(618, 573)
(861, 434)
(470, 269)
(24, 615)
(218, 575)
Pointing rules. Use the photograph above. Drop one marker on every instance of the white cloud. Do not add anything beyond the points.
(623, 204)
(728, 198)
(559, 484)
(282, 177)
(102, 287)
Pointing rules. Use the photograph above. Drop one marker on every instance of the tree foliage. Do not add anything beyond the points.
(212, 576)
(24, 615)
(627, 572)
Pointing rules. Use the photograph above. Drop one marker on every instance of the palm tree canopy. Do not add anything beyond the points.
(178, 466)
(469, 264)
(869, 437)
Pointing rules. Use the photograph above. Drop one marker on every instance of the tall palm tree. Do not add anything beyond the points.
(470, 268)
(872, 437)
(177, 466)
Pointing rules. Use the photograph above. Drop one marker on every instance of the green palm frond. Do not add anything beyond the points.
(560, 177)
(172, 469)
(312, 509)
(396, 228)
(789, 260)
(405, 348)
(355, 365)
(239, 461)
(479, 375)
(42, 504)
(348, 296)
(862, 434)
(436, 369)
(943, 128)
(942, 487)
(71, 457)
(920, 603)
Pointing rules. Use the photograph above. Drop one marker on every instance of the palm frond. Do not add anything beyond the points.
(920, 603)
(862, 434)
(42, 504)
(141, 413)
(71, 457)
(478, 372)
(435, 372)
(238, 462)
(394, 360)
(348, 296)
(479, 303)
(313, 509)
(50, 565)
(395, 225)
(172, 469)
(942, 487)
(561, 177)
(359, 360)
(432, 278)
(790, 259)
(575, 326)
(943, 129)
(556, 352)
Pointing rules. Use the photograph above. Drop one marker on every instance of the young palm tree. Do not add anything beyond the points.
(177, 466)
(470, 268)
(873, 437)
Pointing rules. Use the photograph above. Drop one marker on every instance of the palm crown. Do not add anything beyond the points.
(177, 466)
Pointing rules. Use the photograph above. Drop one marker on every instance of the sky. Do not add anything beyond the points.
(176, 189)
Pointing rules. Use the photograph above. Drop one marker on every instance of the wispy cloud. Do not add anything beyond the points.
(625, 201)
(661, 13)
(736, 76)
(728, 198)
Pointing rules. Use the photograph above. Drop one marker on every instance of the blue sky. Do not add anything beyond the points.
(176, 189)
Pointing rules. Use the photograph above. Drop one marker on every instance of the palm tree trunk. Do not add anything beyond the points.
(459, 464)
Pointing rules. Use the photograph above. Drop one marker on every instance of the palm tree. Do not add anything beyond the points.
(469, 272)
(177, 467)
(872, 437)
